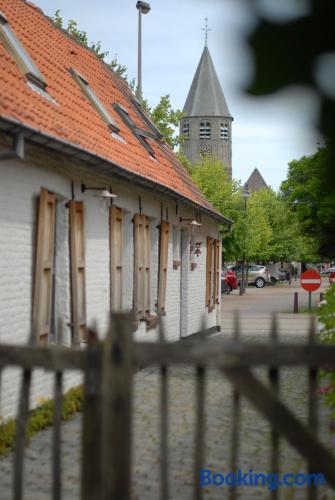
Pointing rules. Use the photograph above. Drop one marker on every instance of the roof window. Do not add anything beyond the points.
(87, 90)
(140, 134)
(19, 54)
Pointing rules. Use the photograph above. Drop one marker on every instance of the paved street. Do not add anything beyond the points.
(255, 310)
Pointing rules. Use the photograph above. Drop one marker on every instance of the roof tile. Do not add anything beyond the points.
(71, 117)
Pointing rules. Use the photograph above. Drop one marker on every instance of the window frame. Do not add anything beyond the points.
(19, 54)
(94, 100)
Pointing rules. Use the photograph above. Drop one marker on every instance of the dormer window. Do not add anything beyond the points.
(186, 130)
(224, 131)
(205, 130)
(88, 92)
(19, 54)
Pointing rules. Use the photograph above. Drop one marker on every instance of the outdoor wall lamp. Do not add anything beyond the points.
(192, 222)
(103, 192)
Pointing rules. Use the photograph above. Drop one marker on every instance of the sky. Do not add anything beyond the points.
(268, 132)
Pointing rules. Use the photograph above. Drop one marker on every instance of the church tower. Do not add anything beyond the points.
(206, 126)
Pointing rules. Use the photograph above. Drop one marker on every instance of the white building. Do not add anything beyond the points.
(72, 134)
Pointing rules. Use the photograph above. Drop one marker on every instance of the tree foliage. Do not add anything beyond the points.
(313, 208)
(263, 228)
(291, 53)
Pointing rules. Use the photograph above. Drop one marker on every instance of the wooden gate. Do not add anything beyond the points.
(108, 369)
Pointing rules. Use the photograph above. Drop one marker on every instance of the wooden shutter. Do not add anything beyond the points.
(116, 257)
(42, 303)
(209, 271)
(216, 270)
(77, 257)
(163, 262)
(147, 262)
(142, 256)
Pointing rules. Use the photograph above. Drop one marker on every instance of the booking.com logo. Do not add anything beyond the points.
(251, 478)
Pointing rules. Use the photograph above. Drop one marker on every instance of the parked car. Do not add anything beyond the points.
(279, 275)
(228, 280)
(257, 275)
(328, 271)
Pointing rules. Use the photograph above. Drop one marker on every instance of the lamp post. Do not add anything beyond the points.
(244, 282)
(143, 8)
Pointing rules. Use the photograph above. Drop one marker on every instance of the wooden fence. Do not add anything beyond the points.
(108, 369)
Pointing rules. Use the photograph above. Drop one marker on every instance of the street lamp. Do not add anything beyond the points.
(244, 283)
(143, 8)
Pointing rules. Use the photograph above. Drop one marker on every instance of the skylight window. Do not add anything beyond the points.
(84, 85)
(142, 135)
(19, 54)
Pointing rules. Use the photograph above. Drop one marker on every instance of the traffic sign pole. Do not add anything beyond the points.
(310, 301)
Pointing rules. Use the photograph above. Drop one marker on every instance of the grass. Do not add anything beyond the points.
(40, 418)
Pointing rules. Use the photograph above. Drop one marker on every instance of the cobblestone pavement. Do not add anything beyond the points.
(255, 431)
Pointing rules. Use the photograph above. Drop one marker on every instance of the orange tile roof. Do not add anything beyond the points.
(72, 119)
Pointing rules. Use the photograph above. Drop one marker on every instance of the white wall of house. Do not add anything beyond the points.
(20, 184)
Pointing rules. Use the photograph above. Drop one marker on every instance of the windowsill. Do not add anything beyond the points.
(118, 138)
(42, 92)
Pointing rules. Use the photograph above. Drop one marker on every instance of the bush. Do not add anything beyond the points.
(40, 418)
(326, 316)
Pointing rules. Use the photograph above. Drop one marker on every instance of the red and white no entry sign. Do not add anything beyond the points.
(310, 280)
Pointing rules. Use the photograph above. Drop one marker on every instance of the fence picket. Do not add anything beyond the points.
(164, 490)
(57, 419)
(21, 425)
(312, 406)
(274, 382)
(199, 430)
(236, 415)
(116, 408)
(91, 436)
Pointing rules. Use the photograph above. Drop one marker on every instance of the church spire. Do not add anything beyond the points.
(205, 97)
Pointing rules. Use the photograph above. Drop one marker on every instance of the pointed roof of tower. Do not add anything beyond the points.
(205, 97)
(256, 181)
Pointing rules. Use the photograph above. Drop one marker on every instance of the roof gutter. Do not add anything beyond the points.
(37, 137)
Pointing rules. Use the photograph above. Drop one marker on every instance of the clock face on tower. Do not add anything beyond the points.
(205, 149)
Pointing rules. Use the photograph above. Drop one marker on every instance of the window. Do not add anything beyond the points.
(186, 130)
(77, 267)
(205, 130)
(116, 257)
(164, 232)
(140, 134)
(44, 265)
(224, 132)
(142, 257)
(83, 84)
(19, 54)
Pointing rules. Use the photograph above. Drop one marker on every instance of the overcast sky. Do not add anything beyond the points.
(267, 132)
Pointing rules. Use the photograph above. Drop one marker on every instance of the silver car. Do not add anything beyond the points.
(257, 275)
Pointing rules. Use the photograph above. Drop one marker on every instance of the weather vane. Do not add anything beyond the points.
(206, 29)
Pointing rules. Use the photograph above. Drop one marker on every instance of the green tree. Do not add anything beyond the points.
(313, 207)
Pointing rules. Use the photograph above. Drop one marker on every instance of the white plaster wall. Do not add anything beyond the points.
(20, 184)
